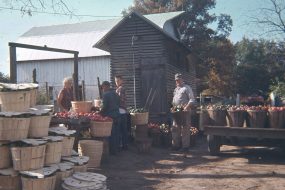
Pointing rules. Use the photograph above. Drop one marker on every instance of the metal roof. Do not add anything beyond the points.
(79, 37)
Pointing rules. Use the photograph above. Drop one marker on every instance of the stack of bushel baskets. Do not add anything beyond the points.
(140, 122)
(29, 158)
(98, 148)
(19, 126)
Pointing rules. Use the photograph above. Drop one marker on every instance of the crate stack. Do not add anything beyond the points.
(140, 123)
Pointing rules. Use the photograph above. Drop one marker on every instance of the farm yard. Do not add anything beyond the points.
(235, 168)
(142, 94)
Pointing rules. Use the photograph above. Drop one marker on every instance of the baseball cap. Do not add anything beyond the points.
(178, 76)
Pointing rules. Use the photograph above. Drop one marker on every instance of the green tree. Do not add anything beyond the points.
(4, 78)
(260, 64)
(221, 61)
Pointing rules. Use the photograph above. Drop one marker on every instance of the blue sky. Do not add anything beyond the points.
(13, 24)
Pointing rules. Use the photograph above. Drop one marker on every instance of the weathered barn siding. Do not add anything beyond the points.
(147, 50)
(179, 61)
(53, 72)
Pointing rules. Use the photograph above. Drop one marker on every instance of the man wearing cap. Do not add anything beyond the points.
(110, 108)
(182, 96)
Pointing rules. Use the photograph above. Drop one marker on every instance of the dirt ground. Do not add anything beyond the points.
(236, 168)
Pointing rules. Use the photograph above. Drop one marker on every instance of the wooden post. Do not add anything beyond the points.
(13, 65)
(83, 90)
(47, 92)
(99, 87)
(35, 76)
(75, 77)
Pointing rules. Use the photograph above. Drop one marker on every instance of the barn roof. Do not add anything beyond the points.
(79, 37)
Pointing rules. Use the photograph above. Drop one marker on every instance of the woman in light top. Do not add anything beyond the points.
(66, 95)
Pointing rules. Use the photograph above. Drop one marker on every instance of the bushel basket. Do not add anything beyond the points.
(28, 158)
(139, 118)
(181, 117)
(47, 183)
(81, 106)
(39, 126)
(17, 101)
(5, 157)
(101, 129)
(12, 129)
(93, 149)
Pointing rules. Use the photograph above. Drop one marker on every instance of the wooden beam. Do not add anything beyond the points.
(75, 77)
(44, 48)
(13, 65)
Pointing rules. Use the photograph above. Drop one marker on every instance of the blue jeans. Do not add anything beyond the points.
(114, 138)
(123, 130)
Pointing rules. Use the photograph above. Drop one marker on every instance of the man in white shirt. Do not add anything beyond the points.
(182, 96)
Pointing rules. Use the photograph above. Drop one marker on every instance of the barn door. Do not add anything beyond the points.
(153, 85)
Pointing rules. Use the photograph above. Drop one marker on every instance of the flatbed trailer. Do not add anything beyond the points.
(224, 135)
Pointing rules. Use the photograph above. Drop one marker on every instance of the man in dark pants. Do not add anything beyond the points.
(121, 91)
(110, 108)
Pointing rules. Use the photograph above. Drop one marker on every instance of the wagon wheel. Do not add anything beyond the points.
(214, 143)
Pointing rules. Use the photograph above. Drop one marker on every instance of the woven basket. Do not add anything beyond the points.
(100, 129)
(139, 118)
(67, 146)
(5, 157)
(47, 183)
(10, 182)
(15, 101)
(53, 153)
(28, 158)
(81, 106)
(33, 97)
(93, 149)
(39, 126)
(14, 128)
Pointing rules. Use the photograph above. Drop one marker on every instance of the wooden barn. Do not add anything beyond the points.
(147, 44)
(154, 53)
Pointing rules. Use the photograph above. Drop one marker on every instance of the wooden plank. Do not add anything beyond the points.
(245, 132)
(13, 65)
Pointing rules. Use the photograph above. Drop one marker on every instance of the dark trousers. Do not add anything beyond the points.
(114, 138)
(123, 130)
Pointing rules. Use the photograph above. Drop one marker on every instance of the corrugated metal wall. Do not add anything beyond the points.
(147, 44)
(54, 71)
